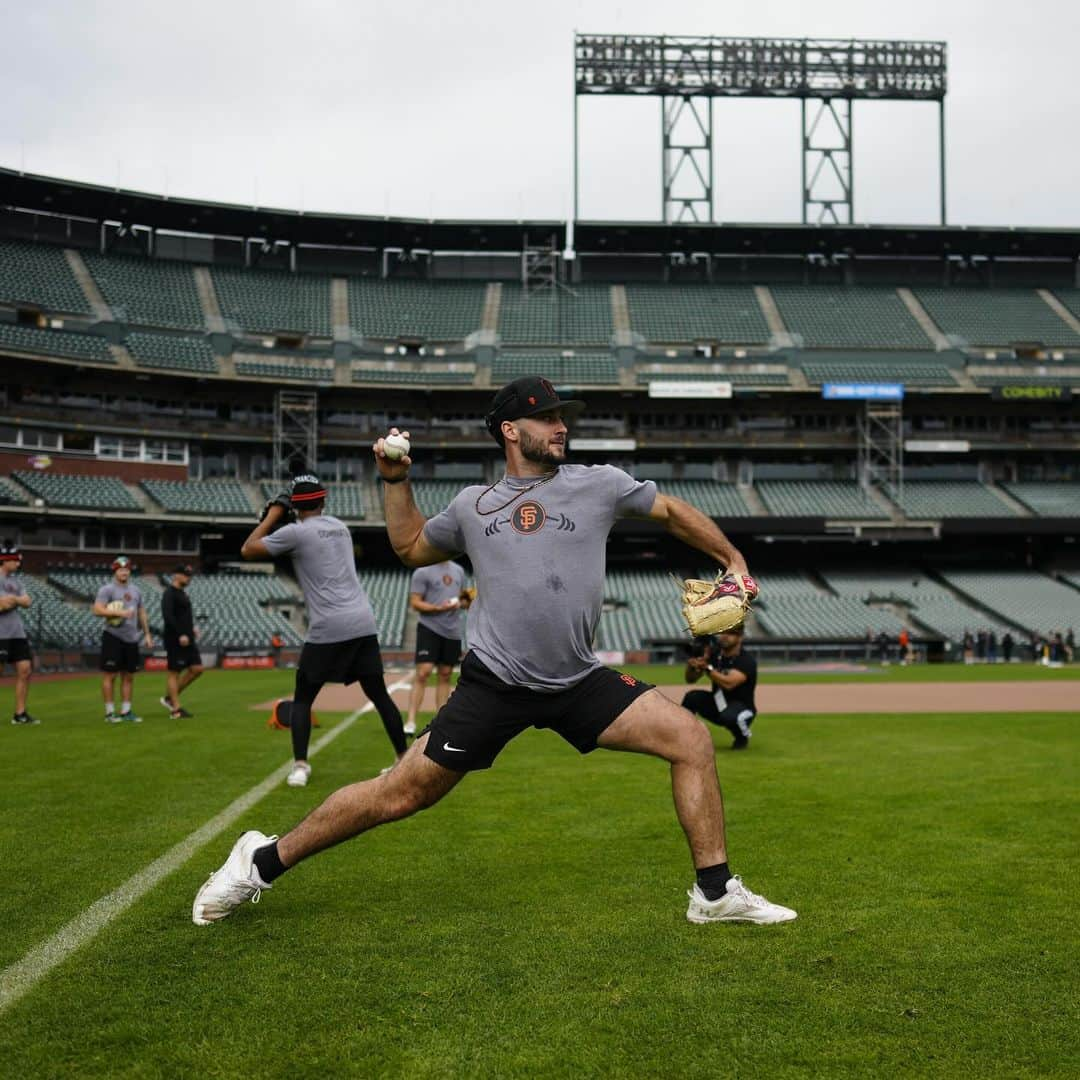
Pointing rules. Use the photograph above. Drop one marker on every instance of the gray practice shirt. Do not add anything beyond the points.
(322, 554)
(128, 630)
(11, 624)
(437, 584)
(539, 563)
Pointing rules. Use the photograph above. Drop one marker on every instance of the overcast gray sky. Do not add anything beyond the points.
(463, 109)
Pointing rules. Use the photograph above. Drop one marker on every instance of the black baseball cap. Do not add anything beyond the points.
(527, 396)
(306, 489)
(10, 553)
(184, 568)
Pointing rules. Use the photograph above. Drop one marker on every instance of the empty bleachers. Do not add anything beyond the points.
(1032, 600)
(456, 373)
(951, 498)
(434, 496)
(685, 313)
(436, 311)
(10, 495)
(1016, 374)
(147, 291)
(996, 316)
(301, 369)
(581, 316)
(645, 607)
(791, 605)
(388, 591)
(55, 343)
(848, 318)
(911, 370)
(1050, 499)
(89, 492)
(39, 275)
(712, 497)
(817, 498)
(53, 622)
(578, 369)
(225, 498)
(686, 370)
(174, 352)
(343, 500)
(268, 301)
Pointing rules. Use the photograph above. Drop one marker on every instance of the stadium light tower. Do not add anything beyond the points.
(827, 76)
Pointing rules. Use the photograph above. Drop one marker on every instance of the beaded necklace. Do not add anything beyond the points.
(524, 491)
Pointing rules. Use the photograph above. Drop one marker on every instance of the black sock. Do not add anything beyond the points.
(712, 880)
(268, 862)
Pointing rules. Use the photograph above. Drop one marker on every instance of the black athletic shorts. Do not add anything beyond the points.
(14, 649)
(181, 657)
(117, 655)
(340, 661)
(484, 714)
(736, 716)
(432, 648)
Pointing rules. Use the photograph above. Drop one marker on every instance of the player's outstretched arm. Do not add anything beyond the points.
(693, 527)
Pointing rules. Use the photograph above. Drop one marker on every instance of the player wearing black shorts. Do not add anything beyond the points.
(183, 660)
(14, 644)
(342, 645)
(733, 674)
(537, 540)
(120, 639)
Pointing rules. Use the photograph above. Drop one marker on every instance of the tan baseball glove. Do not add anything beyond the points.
(711, 607)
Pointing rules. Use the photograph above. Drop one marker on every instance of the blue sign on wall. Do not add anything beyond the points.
(864, 391)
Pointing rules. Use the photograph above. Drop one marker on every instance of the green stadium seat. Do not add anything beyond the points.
(343, 500)
(911, 370)
(1051, 499)
(457, 373)
(55, 343)
(848, 318)
(581, 316)
(174, 352)
(687, 313)
(153, 292)
(10, 495)
(1029, 599)
(285, 367)
(39, 275)
(951, 498)
(581, 369)
(268, 301)
(817, 498)
(225, 498)
(718, 500)
(433, 310)
(87, 492)
(996, 316)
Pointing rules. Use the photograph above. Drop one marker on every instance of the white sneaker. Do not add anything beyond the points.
(739, 905)
(235, 883)
(299, 775)
(410, 727)
(166, 703)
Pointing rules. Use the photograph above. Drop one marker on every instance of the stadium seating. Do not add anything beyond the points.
(1017, 375)
(848, 318)
(791, 605)
(560, 317)
(817, 498)
(686, 313)
(39, 275)
(707, 371)
(930, 603)
(343, 500)
(176, 352)
(996, 316)
(718, 500)
(951, 498)
(229, 611)
(579, 369)
(1054, 499)
(10, 495)
(1031, 600)
(647, 610)
(224, 498)
(53, 622)
(55, 343)
(268, 301)
(285, 367)
(89, 492)
(1070, 298)
(147, 291)
(435, 311)
(434, 496)
(461, 373)
(388, 591)
(929, 370)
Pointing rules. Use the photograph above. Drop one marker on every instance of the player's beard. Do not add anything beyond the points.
(538, 451)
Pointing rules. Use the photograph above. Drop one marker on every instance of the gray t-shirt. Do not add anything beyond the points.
(539, 564)
(11, 624)
(128, 630)
(322, 554)
(437, 584)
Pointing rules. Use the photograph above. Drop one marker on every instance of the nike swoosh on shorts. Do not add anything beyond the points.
(455, 749)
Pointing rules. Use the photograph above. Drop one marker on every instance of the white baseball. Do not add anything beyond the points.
(395, 447)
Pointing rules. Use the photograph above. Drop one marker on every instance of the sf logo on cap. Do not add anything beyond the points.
(529, 517)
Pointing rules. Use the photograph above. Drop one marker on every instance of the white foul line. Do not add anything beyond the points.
(21, 976)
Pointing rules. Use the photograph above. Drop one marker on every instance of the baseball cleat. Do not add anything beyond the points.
(409, 727)
(234, 883)
(299, 775)
(739, 905)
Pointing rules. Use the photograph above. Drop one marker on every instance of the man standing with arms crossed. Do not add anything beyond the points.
(120, 639)
(438, 594)
(537, 541)
(184, 660)
(14, 646)
(341, 644)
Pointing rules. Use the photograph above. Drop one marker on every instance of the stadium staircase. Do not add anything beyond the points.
(1014, 504)
(1062, 311)
(489, 314)
(922, 317)
(88, 285)
(780, 337)
(208, 301)
(339, 309)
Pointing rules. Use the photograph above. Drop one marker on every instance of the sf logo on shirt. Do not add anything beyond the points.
(529, 517)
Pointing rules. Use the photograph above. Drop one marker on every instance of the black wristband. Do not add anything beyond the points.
(399, 480)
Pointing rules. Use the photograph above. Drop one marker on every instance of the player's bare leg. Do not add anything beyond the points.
(22, 685)
(172, 688)
(107, 682)
(416, 695)
(654, 725)
(442, 686)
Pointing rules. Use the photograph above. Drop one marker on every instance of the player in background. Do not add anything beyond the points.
(184, 664)
(14, 645)
(733, 674)
(438, 594)
(537, 541)
(342, 645)
(120, 641)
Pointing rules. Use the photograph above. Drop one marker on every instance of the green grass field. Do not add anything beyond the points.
(533, 923)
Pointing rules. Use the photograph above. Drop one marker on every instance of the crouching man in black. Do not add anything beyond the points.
(733, 674)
